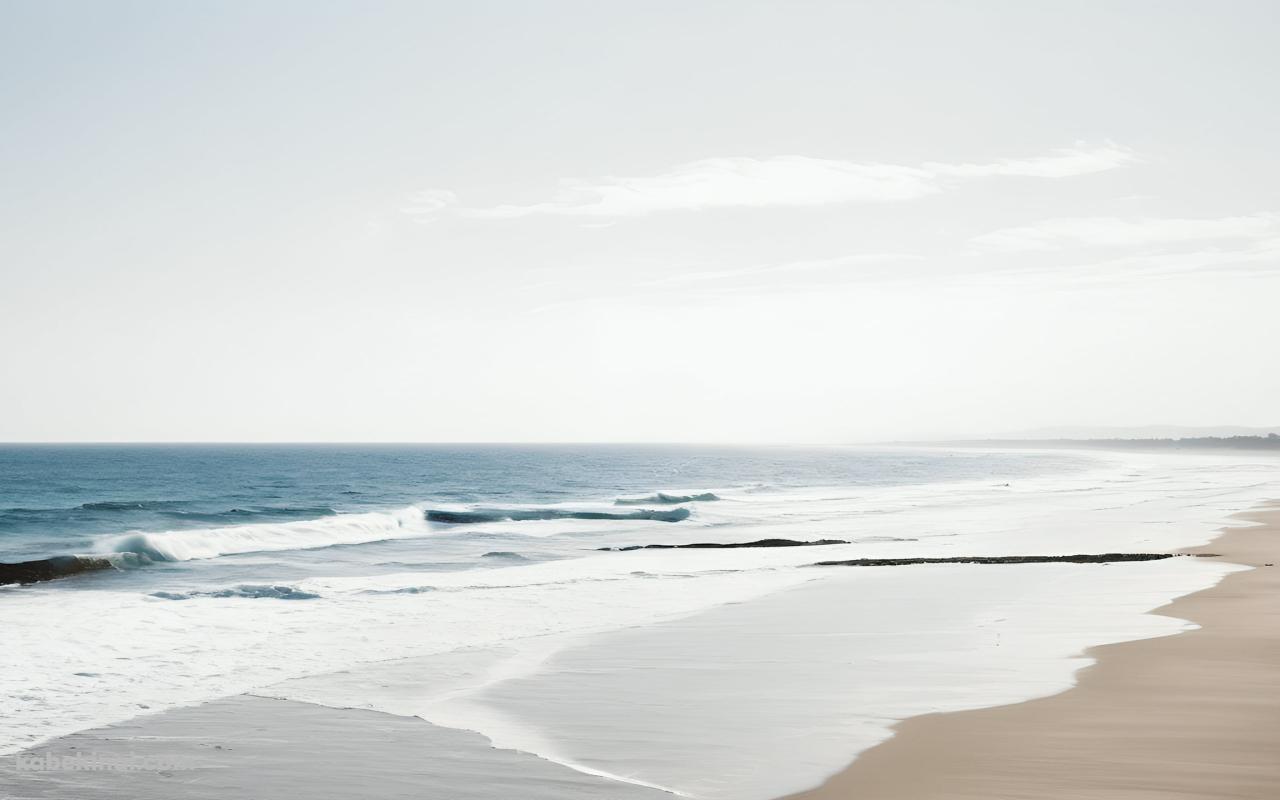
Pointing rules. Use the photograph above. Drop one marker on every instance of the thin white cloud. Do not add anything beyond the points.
(1118, 232)
(791, 181)
(790, 266)
(1064, 163)
(729, 182)
(425, 204)
(1254, 258)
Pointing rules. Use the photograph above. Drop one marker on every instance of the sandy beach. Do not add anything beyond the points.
(1195, 715)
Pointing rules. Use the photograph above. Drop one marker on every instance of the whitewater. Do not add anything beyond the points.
(511, 601)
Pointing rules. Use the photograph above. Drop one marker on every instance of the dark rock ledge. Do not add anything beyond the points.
(46, 569)
(1086, 558)
(726, 545)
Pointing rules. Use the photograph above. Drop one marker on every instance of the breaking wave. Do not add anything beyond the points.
(198, 543)
(662, 498)
(246, 590)
(504, 554)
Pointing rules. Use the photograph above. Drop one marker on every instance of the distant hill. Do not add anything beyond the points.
(1141, 432)
(1267, 443)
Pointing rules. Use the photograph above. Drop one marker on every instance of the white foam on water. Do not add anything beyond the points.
(73, 659)
(76, 659)
(768, 697)
(201, 543)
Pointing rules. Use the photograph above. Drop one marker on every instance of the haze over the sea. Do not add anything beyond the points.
(664, 221)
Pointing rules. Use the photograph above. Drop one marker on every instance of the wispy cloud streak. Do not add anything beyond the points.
(1118, 232)
(425, 204)
(792, 180)
(785, 267)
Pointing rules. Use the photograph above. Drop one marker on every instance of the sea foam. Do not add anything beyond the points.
(200, 543)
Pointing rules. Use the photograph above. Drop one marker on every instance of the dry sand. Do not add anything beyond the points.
(1191, 716)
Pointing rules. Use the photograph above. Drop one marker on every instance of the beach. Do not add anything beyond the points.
(1194, 715)
(734, 641)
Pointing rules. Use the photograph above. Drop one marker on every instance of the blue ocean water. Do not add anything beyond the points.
(306, 502)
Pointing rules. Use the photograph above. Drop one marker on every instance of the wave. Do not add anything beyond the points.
(174, 508)
(267, 512)
(662, 498)
(526, 515)
(504, 554)
(200, 543)
(246, 590)
(129, 505)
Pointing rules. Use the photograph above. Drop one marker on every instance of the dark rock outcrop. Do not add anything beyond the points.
(726, 545)
(46, 569)
(1086, 558)
(528, 514)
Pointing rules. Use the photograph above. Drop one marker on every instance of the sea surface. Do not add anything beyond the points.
(187, 511)
(486, 588)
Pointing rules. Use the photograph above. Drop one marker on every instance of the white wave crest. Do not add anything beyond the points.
(197, 543)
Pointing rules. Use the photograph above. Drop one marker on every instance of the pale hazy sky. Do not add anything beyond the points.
(635, 221)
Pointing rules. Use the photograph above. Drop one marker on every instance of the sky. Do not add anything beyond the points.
(635, 221)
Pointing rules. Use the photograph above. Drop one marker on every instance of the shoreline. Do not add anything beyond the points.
(1193, 715)
(849, 661)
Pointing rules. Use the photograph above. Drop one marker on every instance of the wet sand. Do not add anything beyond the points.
(1193, 716)
(255, 747)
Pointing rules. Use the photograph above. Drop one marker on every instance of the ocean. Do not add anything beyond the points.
(187, 510)
(499, 588)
